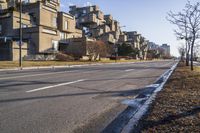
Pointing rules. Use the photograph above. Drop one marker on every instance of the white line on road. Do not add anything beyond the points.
(129, 70)
(53, 86)
(24, 76)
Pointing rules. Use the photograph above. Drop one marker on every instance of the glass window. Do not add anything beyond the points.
(84, 11)
(82, 20)
(55, 45)
(62, 36)
(0, 28)
(24, 26)
(66, 25)
(54, 21)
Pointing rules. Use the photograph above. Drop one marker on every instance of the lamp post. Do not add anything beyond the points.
(20, 34)
(116, 47)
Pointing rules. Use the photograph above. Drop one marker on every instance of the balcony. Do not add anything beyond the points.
(108, 17)
(66, 22)
(122, 38)
(99, 15)
(88, 19)
(108, 38)
(2, 1)
(116, 34)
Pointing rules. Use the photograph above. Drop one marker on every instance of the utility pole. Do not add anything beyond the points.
(116, 52)
(20, 35)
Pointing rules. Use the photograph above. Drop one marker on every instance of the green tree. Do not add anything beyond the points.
(127, 50)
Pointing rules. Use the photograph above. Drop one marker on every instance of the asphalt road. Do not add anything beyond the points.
(65, 100)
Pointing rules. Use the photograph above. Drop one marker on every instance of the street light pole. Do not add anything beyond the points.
(20, 35)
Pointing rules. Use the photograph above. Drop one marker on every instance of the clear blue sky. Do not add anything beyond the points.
(148, 17)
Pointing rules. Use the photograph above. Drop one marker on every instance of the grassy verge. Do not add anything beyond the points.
(12, 64)
(177, 107)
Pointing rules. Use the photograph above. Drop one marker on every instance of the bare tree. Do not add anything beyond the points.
(96, 50)
(188, 26)
(182, 32)
(193, 16)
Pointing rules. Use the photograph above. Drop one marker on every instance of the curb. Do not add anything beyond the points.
(66, 66)
(138, 107)
(142, 109)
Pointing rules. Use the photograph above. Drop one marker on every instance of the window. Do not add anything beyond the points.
(82, 20)
(84, 11)
(98, 22)
(62, 36)
(91, 9)
(0, 28)
(24, 25)
(54, 21)
(66, 25)
(55, 45)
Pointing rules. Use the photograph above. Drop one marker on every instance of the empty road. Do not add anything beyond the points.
(65, 100)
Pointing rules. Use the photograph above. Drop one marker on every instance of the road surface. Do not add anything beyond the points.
(65, 100)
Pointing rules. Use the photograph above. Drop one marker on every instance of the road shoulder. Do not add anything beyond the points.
(176, 108)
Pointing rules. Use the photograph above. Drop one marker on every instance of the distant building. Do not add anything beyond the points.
(138, 42)
(153, 46)
(47, 30)
(166, 49)
(97, 25)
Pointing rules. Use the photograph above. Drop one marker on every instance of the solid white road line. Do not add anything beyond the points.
(53, 86)
(129, 70)
(24, 76)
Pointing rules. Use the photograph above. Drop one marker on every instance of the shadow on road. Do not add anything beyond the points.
(123, 93)
(15, 83)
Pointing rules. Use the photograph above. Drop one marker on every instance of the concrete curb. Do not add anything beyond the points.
(67, 66)
(126, 121)
(148, 99)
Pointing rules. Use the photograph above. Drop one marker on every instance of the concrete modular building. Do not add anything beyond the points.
(44, 28)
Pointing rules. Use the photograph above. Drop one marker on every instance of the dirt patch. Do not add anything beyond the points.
(177, 107)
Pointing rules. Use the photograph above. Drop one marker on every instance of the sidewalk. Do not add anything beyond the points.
(177, 106)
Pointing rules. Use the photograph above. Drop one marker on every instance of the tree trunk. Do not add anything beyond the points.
(187, 59)
(186, 49)
(192, 68)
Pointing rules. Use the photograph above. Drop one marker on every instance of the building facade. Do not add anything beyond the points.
(44, 28)
(139, 43)
(166, 50)
(47, 30)
(97, 25)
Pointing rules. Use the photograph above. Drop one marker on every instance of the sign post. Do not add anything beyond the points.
(116, 53)
(20, 35)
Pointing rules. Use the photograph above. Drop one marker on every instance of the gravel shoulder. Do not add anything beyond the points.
(177, 107)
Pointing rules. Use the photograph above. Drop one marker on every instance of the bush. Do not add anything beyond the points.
(64, 57)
